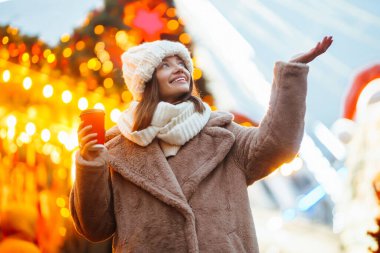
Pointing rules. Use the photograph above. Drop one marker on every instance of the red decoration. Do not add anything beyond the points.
(360, 82)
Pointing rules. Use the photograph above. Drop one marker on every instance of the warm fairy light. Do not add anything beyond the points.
(80, 45)
(173, 25)
(48, 90)
(67, 52)
(65, 38)
(185, 38)
(83, 69)
(71, 141)
(83, 103)
(99, 29)
(12, 30)
(99, 106)
(55, 157)
(30, 128)
(24, 138)
(121, 38)
(11, 133)
(197, 74)
(65, 212)
(47, 52)
(50, 58)
(45, 135)
(35, 58)
(94, 64)
(115, 114)
(67, 96)
(107, 67)
(108, 83)
(60, 202)
(6, 75)
(5, 40)
(99, 46)
(171, 12)
(11, 121)
(62, 137)
(27, 83)
(25, 57)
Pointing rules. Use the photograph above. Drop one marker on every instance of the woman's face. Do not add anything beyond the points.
(173, 79)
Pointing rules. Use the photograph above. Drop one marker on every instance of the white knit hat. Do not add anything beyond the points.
(139, 62)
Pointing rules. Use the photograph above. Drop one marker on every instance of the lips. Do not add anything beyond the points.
(181, 78)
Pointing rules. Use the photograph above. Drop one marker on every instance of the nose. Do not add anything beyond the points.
(179, 68)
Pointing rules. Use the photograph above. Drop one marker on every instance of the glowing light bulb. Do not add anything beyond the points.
(30, 128)
(115, 114)
(67, 96)
(83, 103)
(45, 135)
(27, 83)
(48, 90)
(6, 75)
(11, 121)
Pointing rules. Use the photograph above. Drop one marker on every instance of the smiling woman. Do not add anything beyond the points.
(173, 176)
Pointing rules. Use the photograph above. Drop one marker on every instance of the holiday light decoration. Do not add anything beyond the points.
(43, 89)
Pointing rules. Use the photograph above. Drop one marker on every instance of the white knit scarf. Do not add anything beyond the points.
(173, 125)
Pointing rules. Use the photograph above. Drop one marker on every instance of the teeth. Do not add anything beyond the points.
(179, 79)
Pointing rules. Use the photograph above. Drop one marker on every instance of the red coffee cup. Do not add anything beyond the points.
(95, 117)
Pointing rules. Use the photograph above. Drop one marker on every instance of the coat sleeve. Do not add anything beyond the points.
(91, 203)
(260, 150)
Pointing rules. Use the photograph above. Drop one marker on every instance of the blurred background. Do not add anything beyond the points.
(60, 57)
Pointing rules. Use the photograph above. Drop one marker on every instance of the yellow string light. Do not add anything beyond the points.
(83, 103)
(65, 38)
(185, 38)
(5, 40)
(99, 29)
(115, 114)
(27, 83)
(6, 75)
(45, 135)
(30, 128)
(48, 91)
(108, 83)
(67, 96)
(67, 52)
(173, 25)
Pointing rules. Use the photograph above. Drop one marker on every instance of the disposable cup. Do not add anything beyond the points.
(95, 117)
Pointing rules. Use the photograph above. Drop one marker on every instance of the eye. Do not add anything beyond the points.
(181, 63)
(164, 65)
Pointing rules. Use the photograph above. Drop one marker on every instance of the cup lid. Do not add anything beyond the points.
(94, 110)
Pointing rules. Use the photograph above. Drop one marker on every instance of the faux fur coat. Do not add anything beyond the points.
(196, 201)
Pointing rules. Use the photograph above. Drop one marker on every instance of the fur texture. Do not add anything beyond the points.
(196, 201)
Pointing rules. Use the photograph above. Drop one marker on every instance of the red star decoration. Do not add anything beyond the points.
(150, 23)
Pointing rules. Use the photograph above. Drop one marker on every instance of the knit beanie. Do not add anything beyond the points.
(139, 62)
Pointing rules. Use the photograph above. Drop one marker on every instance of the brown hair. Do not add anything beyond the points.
(151, 97)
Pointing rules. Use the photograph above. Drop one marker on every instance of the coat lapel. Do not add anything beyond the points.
(200, 156)
(147, 168)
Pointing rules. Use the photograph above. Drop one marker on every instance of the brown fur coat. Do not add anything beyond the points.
(196, 201)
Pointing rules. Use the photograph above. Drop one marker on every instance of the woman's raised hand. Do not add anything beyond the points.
(87, 140)
(319, 49)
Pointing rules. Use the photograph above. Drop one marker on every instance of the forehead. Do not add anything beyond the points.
(172, 58)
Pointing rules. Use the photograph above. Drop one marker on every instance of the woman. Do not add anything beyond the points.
(173, 175)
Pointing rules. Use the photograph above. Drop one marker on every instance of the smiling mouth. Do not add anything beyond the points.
(179, 79)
